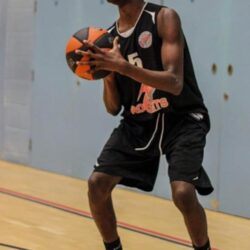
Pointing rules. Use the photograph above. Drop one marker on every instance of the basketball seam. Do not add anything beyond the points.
(99, 38)
(80, 39)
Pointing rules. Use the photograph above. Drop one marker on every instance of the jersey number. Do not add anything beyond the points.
(135, 60)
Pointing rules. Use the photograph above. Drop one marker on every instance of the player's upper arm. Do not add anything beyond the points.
(172, 51)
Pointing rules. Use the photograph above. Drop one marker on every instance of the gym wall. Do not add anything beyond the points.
(59, 122)
(16, 62)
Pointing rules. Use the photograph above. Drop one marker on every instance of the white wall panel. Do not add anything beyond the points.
(18, 62)
(3, 18)
(69, 123)
(235, 136)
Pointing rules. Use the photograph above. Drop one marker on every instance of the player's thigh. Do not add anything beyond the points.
(185, 152)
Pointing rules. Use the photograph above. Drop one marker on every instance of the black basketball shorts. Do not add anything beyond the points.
(134, 148)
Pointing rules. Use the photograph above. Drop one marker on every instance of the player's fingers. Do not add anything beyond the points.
(81, 52)
(85, 53)
(95, 56)
(93, 47)
(89, 54)
(97, 49)
(83, 63)
(98, 66)
(95, 68)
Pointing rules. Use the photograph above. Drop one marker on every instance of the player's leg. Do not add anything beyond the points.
(184, 153)
(100, 201)
(135, 168)
(185, 198)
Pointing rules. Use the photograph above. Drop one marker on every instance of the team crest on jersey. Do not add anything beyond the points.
(145, 39)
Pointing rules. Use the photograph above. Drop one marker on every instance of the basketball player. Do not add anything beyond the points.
(153, 81)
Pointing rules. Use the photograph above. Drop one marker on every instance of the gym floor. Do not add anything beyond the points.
(46, 211)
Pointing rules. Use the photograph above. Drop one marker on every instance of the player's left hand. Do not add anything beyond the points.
(111, 60)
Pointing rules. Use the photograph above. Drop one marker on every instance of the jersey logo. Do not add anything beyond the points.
(145, 39)
(148, 104)
(146, 92)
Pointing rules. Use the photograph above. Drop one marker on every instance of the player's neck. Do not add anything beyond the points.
(129, 13)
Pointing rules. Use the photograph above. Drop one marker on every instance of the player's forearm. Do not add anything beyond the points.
(162, 80)
(111, 96)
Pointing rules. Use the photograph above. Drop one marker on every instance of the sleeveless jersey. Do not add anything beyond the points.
(142, 48)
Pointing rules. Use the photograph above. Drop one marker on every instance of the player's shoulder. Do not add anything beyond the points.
(162, 9)
(168, 23)
(168, 14)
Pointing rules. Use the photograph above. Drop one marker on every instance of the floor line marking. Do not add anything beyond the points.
(123, 225)
(13, 247)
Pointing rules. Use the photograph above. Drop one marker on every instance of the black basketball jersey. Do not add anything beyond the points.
(141, 46)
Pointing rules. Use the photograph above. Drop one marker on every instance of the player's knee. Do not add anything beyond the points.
(98, 189)
(184, 198)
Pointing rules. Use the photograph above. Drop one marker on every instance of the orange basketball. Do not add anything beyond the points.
(99, 37)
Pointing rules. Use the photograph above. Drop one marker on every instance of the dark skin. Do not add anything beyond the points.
(169, 80)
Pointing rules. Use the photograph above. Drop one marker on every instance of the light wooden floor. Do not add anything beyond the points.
(30, 225)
